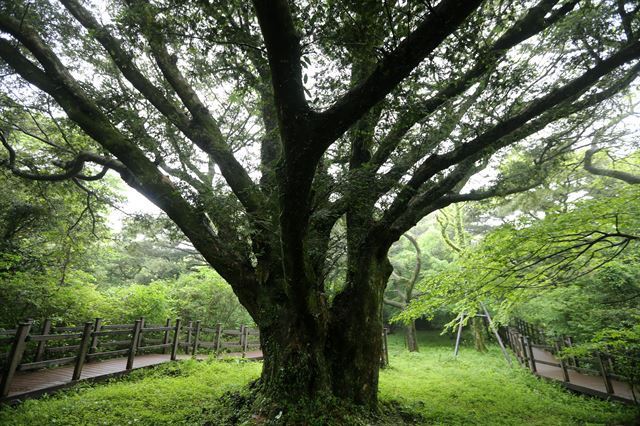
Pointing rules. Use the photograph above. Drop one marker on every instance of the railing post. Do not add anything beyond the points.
(165, 340)
(605, 375)
(563, 365)
(188, 345)
(196, 338)
(15, 356)
(46, 328)
(532, 360)
(216, 341)
(523, 350)
(141, 332)
(82, 350)
(242, 339)
(97, 326)
(134, 344)
(176, 340)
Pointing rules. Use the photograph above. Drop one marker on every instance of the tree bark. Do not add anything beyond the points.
(478, 334)
(355, 330)
(295, 366)
(335, 355)
(412, 338)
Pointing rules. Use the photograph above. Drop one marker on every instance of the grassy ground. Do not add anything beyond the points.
(430, 385)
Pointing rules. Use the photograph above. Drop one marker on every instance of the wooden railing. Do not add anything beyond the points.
(524, 337)
(24, 348)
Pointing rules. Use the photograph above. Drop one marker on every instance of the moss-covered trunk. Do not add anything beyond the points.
(295, 364)
(355, 331)
(336, 355)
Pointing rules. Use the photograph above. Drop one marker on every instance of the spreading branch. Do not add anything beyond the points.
(615, 174)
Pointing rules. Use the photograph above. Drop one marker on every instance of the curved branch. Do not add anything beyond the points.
(203, 130)
(144, 175)
(394, 303)
(529, 25)
(615, 174)
(533, 117)
(72, 168)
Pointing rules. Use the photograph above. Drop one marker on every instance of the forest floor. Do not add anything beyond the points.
(429, 387)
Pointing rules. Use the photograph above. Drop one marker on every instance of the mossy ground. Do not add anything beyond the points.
(429, 387)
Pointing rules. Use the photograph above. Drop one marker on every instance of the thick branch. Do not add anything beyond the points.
(394, 303)
(615, 174)
(495, 138)
(72, 169)
(203, 131)
(396, 66)
(283, 50)
(145, 176)
(529, 25)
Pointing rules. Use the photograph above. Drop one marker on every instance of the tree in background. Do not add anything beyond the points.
(256, 129)
(560, 264)
(453, 233)
(46, 233)
(404, 293)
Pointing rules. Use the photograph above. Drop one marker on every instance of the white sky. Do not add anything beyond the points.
(134, 203)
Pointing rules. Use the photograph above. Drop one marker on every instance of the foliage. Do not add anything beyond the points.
(147, 248)
(203, 295)
(126, 304)
(47, 233)
(418, 388)
(519, 259)
(200, 295)
(39, 296)
(621, 344)
(605, 299)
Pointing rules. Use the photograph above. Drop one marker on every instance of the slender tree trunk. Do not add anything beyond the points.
(478, 334)
(412, 338)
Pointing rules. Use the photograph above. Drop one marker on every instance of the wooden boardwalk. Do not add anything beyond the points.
(583, 383)
(31, 384)
(537, 353)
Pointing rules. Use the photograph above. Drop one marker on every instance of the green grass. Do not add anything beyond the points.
(472, 389)
(480, 389)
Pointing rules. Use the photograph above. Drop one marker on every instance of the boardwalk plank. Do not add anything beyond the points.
(27, 384)
(621, 390)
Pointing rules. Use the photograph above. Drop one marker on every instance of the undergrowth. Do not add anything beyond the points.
(429, 387)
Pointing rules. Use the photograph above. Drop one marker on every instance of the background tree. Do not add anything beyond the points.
(256, 129)
(404, 293)
(538, 255)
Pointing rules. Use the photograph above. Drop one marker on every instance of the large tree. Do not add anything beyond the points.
(257, 128)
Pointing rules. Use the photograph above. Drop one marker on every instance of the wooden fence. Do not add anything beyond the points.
(523, 338)
(25, 348)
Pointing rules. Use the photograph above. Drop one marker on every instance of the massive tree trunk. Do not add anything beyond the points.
(334, 351)
(355, 332)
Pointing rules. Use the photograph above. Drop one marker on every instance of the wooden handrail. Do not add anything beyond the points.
(91, 340)
(520, 340)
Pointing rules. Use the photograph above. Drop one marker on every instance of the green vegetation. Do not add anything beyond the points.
(428, 387)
